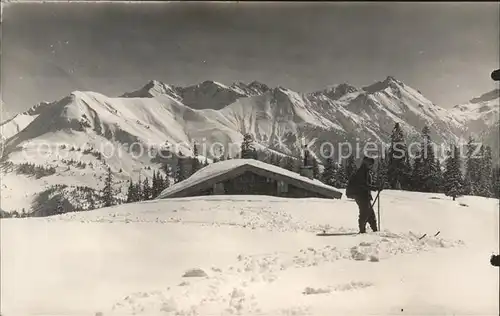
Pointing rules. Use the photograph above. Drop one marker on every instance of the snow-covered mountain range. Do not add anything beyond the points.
(480, 117)
(67, 135)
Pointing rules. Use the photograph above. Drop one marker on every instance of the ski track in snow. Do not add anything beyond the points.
(237, 286)
(253, 256)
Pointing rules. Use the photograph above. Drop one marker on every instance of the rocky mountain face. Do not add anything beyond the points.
(82, 135)
(480, 117)
(18, 122)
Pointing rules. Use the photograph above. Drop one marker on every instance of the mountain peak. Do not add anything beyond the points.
(282, 90)
(153, 89)
(35, 109)
(389, 82)
(259, 85)
(251, 89)
(336, 92)
(154, 83)
(75, 94)
(211, 83)
(209, 94)
(390, 79)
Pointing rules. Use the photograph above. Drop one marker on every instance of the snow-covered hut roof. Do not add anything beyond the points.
(234, 167)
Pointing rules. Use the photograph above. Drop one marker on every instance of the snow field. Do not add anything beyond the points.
(257, 256)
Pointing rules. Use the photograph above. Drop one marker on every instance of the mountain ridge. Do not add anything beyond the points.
(78, 127)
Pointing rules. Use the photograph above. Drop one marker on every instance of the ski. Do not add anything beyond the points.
(433, 236)
(425, 235)
(326, 233)
(344, 233)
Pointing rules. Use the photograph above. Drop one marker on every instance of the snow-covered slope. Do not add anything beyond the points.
(125, 134)
(481, 119)
(284, 119)
(479, 113)
(377, 107)
(206, 95)
(154, 88)
(18, 122)
(208, 113)
(280, 119)
(209, 95)
(255, 256)
(251, 89)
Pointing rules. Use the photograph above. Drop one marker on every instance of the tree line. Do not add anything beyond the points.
(422, 171)
(473, 174)
(38, 171)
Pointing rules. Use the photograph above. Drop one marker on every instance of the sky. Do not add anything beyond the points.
(445, 50)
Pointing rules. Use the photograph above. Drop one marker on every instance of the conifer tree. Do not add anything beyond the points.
(486, 167)
(430, 171)
(108, 190)
(159, 184)
(350, 166)
(195, 165)
(164, 182)
(396, 158)
(407, 174)
(453, 175)
(146, 190)
(472, 168)
(154, 185)
(329, 172)
(315, 168)
(341, 178)
(495, 182)
(195, 150)
(60, 205)
(381, 174)
(247, 148)
(425, 171)
(439, 177)
(130, 192)
(167, 170)
(416, 174)
(307, 158)
(138, 191)
(179, 173)
(91, 200)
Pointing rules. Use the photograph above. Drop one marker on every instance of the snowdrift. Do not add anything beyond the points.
(254, 255)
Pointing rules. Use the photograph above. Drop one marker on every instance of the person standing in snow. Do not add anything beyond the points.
(359, 188)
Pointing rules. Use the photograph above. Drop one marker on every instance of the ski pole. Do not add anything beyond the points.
(380, 186)
(378, 210)
(376, 198)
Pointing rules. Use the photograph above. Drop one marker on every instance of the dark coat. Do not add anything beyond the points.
(364, 183)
